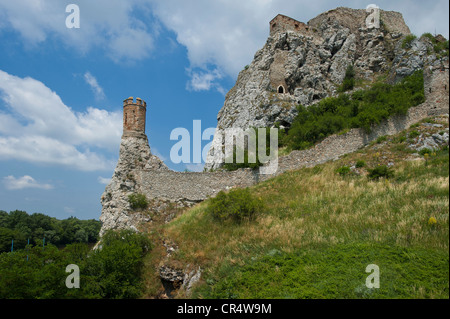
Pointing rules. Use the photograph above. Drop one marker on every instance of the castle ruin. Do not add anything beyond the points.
(134, 117)
(282, 23)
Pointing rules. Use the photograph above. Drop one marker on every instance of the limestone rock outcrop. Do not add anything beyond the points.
(134, 155)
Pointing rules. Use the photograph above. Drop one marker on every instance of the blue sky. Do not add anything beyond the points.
(61, 90)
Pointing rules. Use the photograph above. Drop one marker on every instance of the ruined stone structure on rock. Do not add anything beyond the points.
(308, 65)
(282, 23)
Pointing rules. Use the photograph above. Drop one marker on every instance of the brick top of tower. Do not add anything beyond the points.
(130, 101)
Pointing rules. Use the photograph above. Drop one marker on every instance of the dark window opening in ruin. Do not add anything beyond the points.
(274, 25)
(296, 26)
(281, 89)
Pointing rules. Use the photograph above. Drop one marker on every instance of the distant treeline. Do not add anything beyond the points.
(21, 227)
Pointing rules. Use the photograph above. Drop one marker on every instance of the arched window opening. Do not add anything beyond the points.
(281, 89)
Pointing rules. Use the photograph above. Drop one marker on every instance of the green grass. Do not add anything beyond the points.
(337, 271)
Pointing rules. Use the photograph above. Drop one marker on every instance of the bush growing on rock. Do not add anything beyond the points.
(138, 201)
(349, 81)
(406, 44)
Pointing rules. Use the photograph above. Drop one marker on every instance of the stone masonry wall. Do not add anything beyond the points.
(191, 187)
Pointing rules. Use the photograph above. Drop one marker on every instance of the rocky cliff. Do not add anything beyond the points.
(306, 64)
(134, 155)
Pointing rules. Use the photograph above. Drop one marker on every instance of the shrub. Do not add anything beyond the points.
(440, 48)
(138, 201)
(429, 36)
(360, 164)
(349, 80)
(400, 139)
(381, 171)
(414, 134)
(238, 204)
(343, 171)
(381, 139)
(406, 44)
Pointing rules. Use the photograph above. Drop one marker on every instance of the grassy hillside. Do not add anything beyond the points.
(319, 228)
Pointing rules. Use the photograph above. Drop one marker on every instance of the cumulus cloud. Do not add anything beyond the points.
(38, 127)
(95, 87)
(104, 24)
(103, 180)
(23, 182)
(221, 33)
(205, 81)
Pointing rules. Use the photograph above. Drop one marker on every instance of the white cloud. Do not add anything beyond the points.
(40, 128)
(204, 81)
(221, 33)
(103, 180)
(95, 87)
(105, 24)
(23, 182)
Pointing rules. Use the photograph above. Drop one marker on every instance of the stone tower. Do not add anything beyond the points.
(134, 117)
